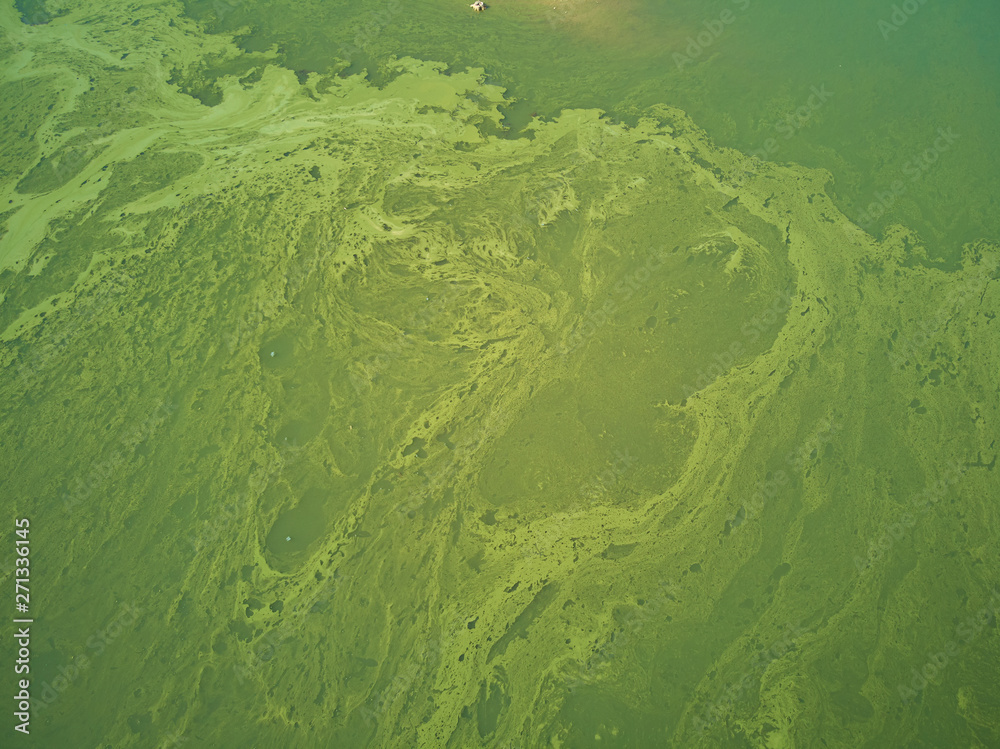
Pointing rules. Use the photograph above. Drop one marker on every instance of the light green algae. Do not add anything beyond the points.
(397, 433)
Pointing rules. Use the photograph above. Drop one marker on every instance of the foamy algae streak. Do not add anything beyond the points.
(342, 421)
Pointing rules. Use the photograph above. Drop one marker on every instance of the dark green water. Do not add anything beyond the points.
(571, 374)
(745, 70)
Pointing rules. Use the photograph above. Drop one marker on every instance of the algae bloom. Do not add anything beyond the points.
(344, 418)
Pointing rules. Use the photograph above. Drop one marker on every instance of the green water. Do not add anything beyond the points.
(745, 70)
(586, 374)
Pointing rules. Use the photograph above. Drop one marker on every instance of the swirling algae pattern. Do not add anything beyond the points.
(392, 431)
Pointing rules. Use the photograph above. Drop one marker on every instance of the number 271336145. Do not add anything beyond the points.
(22, 562)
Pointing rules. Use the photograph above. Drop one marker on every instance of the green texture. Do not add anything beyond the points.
(344, 418)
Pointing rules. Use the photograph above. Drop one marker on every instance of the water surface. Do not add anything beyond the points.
(396, 375)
